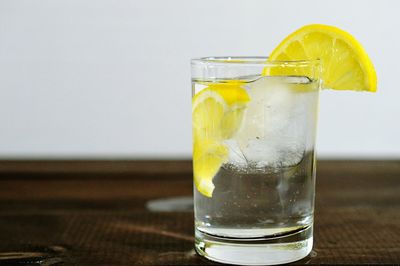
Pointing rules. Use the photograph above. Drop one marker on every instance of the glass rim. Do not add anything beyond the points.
(250, 61)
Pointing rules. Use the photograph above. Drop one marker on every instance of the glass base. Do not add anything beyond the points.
(259, 251)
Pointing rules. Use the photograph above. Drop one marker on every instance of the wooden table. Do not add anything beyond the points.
(106, 212)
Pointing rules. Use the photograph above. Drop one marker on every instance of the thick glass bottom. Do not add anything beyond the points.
(255, 251)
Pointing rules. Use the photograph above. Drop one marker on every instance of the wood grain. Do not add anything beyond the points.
(95, 213)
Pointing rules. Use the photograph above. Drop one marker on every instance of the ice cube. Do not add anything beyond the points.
(275, 124)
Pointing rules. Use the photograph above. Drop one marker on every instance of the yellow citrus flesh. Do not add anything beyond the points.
(345, 64)
(217, 113)
(208, 157)
(207, 114)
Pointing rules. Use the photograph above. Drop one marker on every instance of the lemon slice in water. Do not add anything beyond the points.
(217, 113)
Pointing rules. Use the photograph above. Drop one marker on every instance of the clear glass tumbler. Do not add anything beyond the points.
(254, 130)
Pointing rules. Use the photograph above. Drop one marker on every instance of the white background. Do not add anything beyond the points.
(111, 79)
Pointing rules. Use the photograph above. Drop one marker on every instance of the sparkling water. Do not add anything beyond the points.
(266, 188)
(258, 202)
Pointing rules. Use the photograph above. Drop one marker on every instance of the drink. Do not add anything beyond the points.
(254, 128)
(264, 190)
(256, 203)
(259, 191)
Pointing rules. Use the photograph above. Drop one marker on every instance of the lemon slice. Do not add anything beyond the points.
(208, 111)
(218, 112)
(345, 64)
(208, 157)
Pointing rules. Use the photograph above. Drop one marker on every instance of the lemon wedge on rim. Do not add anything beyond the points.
(345, 63)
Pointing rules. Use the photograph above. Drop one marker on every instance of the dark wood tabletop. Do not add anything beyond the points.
(140, 213)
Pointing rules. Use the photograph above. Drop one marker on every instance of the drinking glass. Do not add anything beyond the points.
(254, 130)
